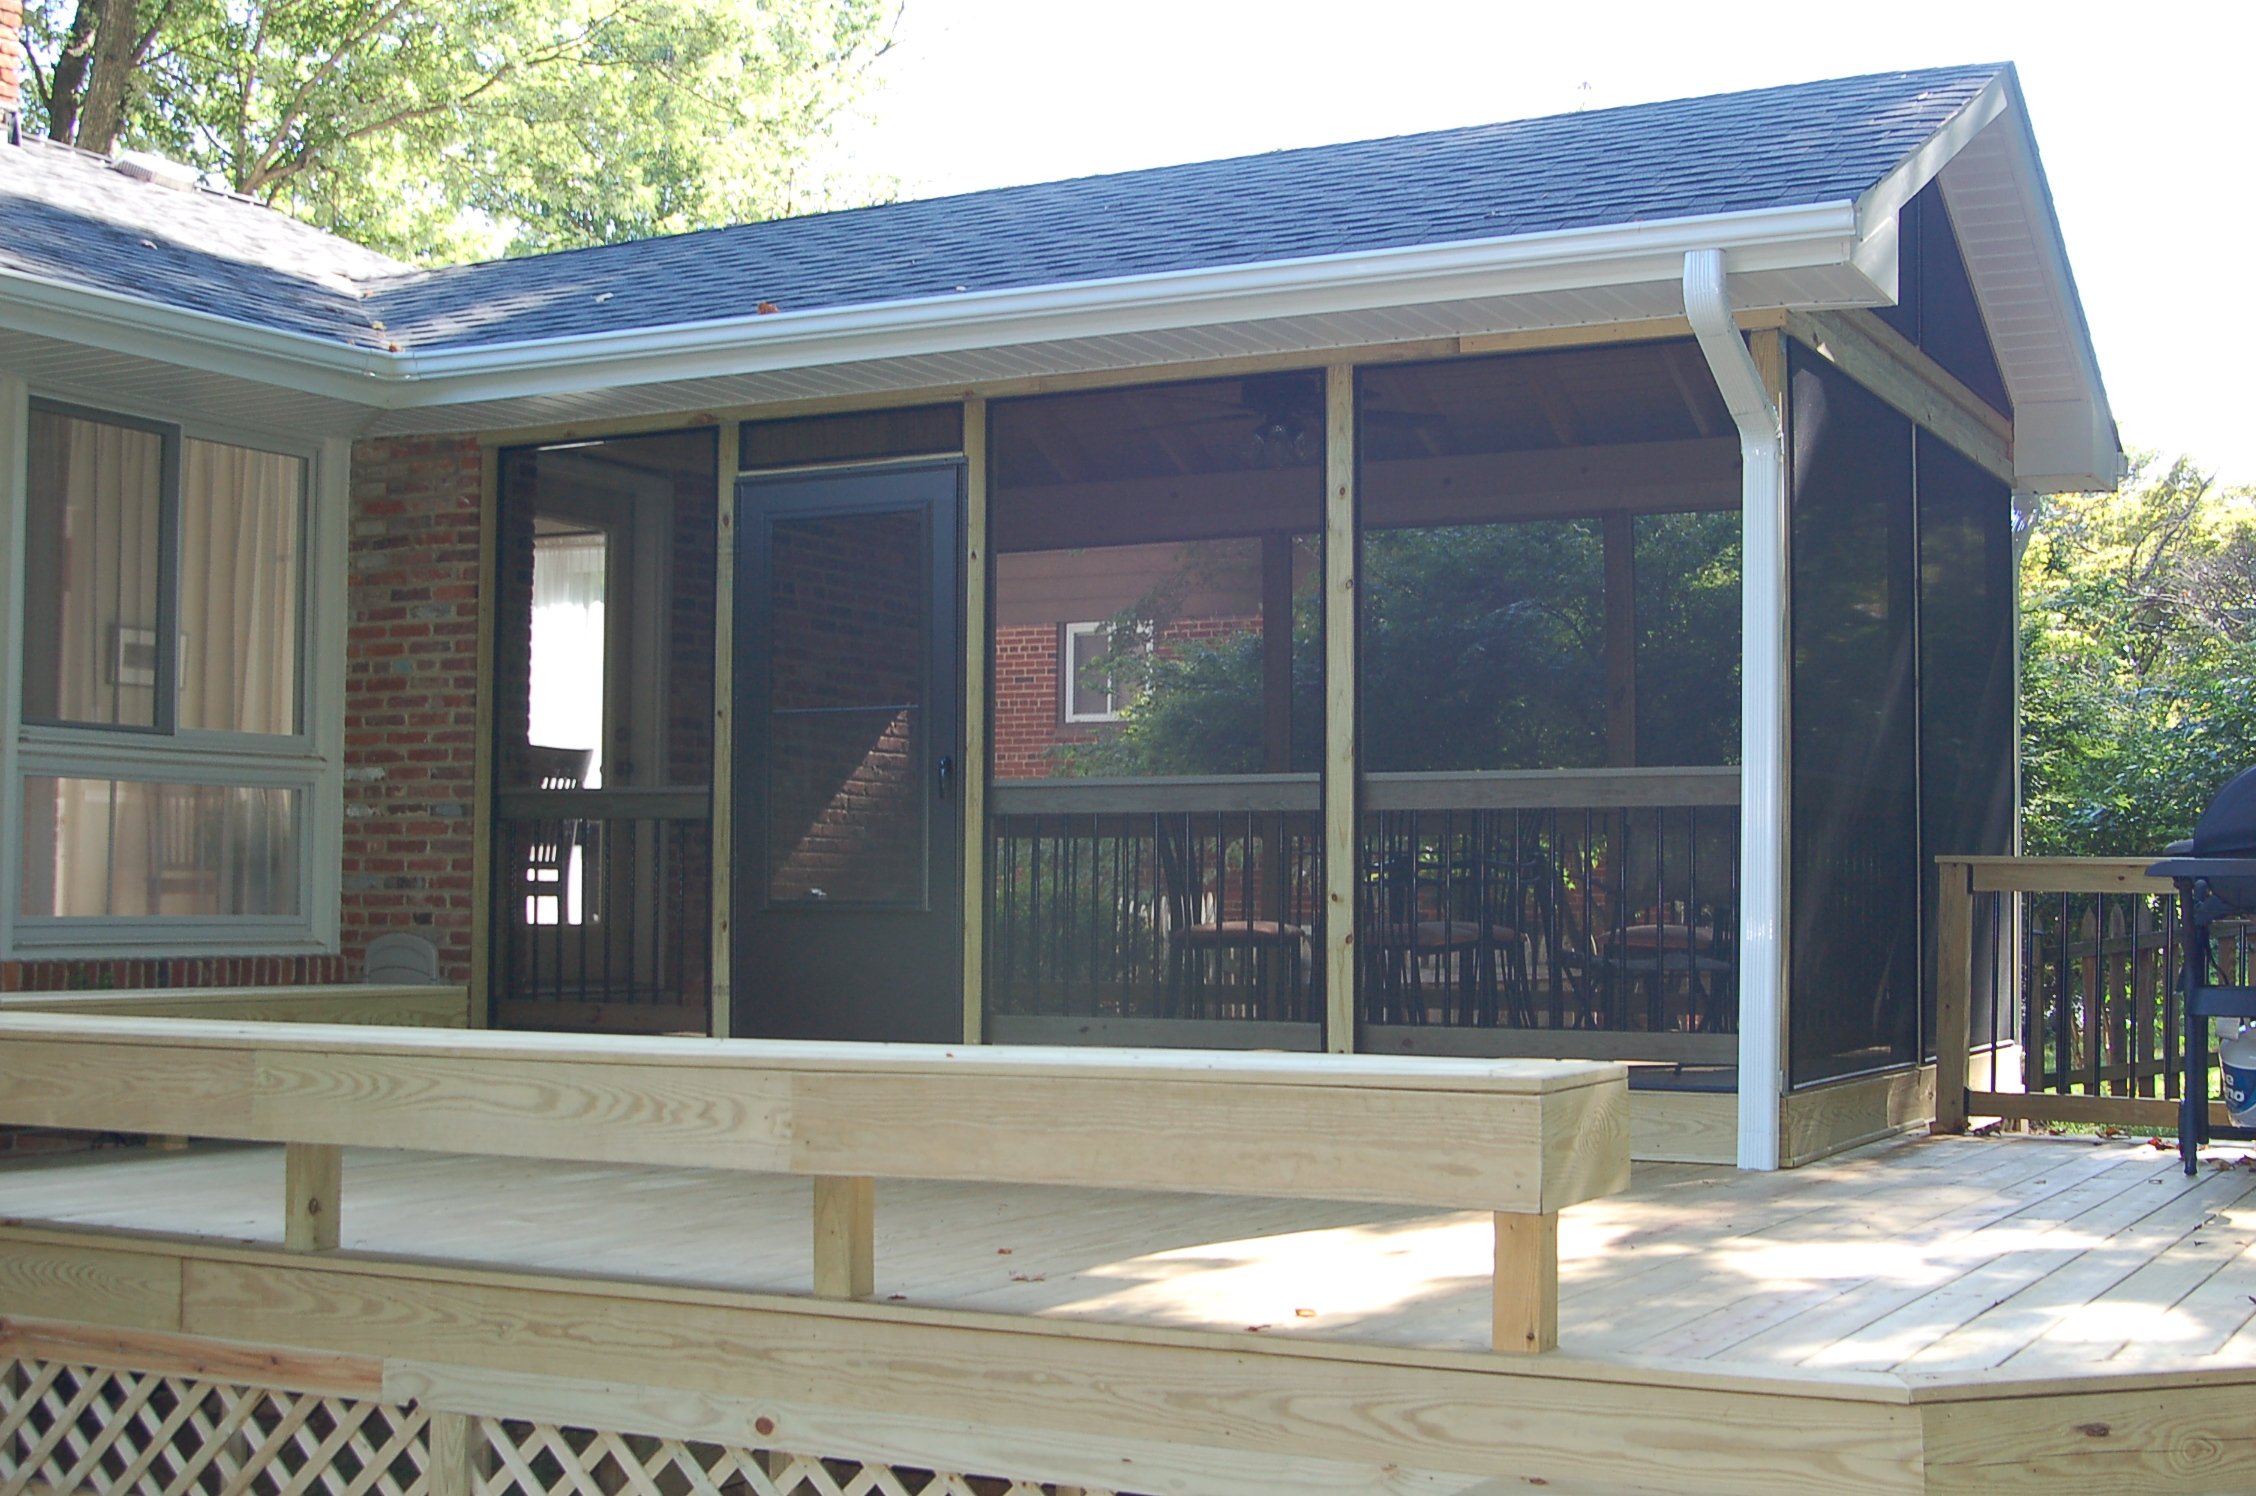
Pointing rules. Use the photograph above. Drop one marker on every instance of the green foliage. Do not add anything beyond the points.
(2138, 660)
(445, 129)
(1484, 647)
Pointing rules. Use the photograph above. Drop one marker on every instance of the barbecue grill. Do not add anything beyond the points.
(2215, 870)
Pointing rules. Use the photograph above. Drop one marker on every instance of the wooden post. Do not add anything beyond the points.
(1341, 837)
(1527, 1281)
(1621, 639)
(453, 1440)
(1954, 990)
(973, 778)
(312, 1174)
(482, 767)
(722, 881)
(845, 1237)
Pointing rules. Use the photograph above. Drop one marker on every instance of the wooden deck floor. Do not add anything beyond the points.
(1933, 1260)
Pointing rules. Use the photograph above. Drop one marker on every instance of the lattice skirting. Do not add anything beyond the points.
(68, 1429)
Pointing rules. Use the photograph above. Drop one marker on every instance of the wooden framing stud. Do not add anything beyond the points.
(453, 1470)
(1954, 981)
(1527, 1281)
(845, 1237)
(312, 1174)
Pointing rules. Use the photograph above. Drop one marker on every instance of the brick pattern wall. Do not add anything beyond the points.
(411, 696)
(1029, 711)
(11, 28)
(1028, 717)
(848, 644)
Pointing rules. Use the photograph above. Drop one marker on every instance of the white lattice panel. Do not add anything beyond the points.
(71, 1429)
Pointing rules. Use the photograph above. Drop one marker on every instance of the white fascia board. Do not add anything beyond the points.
(1773, 239)
(132, 325)
(1777, 239)
(1878, 207)
(2056, 454)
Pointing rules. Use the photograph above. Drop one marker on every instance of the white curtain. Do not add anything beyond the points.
(240, 562)
(569, 574)
(91, 581)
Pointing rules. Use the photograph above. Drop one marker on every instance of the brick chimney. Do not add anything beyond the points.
(11, 58)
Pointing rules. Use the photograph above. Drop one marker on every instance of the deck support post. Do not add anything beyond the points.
(453, 1470)
(1341, 862)
(1527, 1281)
(845, 1237)
(312, 1174)
(976, 711)
(1954, 982)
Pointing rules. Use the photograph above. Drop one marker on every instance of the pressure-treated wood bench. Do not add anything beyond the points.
(1520, 1138)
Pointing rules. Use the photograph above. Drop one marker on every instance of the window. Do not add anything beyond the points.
(1092, 685)
(165, 776)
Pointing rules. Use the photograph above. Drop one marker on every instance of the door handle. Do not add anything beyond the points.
(947, 772)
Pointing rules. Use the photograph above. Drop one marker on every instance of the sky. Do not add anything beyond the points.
(2142, 114)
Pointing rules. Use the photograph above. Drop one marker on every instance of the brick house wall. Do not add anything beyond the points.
(410, 743)
(11, 27)
(411, 696)
(1029, 705)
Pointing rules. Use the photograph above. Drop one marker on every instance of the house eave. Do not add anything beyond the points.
(919, 340)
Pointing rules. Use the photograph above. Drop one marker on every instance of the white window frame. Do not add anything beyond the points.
(310, 762)
(1069, 667)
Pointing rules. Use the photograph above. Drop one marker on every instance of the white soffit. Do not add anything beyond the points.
(2064, 429)
(136, 383)
(1127, 351)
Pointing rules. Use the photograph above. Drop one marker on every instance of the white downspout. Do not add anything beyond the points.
(1762, 706)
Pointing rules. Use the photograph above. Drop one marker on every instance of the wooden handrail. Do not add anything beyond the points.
(1499, 789)
(1521, 1138)
(1960, 880)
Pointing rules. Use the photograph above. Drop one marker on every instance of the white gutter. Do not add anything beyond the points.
(1823, 236)
(1762, 707)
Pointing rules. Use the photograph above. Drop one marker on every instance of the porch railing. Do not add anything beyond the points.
(2057, 991)
(603, 905)
(1146, 911)
(1568, 914)
(1528, 1139)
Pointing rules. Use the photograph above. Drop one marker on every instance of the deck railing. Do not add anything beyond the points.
(1526, 1138)
(2058, 995)
(602, 901)
(1570, 914)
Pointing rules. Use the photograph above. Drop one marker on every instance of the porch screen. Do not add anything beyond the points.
(1157, 719)
(1855, 878)
(1549, 592)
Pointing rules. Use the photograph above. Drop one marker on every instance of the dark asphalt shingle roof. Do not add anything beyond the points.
(1770, 148)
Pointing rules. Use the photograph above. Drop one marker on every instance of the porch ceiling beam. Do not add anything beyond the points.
(1649, 477)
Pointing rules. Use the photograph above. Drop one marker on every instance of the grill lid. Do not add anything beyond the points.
(2222, 848)
(2228, 827)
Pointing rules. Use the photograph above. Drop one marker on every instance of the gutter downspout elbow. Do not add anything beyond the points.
(1762, 706)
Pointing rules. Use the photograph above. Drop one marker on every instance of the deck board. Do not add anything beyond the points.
(2016, 1257)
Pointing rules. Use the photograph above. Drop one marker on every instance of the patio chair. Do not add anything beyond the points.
(545, 859)
(1201, 932)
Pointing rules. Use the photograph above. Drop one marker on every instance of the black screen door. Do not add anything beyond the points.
(849, 898)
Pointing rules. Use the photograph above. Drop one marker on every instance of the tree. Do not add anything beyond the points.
(444, 129)
(2138, 659)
